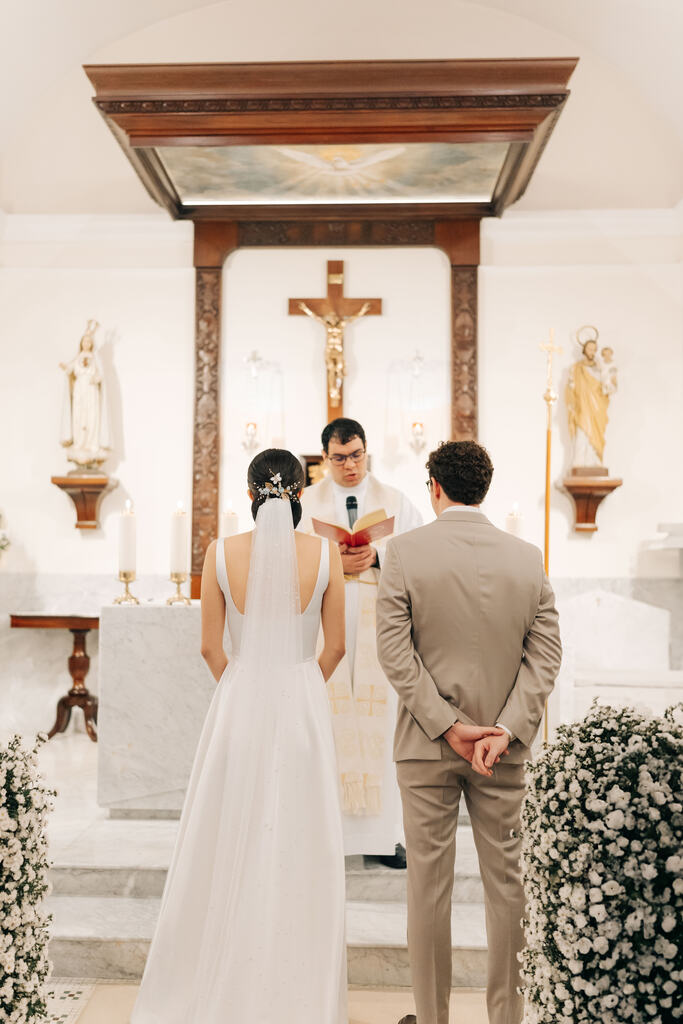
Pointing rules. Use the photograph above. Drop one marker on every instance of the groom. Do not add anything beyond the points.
(467, 634)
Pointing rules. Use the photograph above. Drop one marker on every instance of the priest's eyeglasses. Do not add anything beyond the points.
(356, 456)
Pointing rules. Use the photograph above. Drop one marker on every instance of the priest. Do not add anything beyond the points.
(363, 704)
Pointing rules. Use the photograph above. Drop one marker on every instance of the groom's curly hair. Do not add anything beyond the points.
(464, 470)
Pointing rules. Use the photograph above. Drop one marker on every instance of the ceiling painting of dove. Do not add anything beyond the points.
(361, 173)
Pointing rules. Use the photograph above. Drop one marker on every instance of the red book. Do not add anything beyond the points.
(368, 528)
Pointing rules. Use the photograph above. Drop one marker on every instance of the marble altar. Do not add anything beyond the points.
(615, 649)
(673, 540)
(652, 690)
(154, 692)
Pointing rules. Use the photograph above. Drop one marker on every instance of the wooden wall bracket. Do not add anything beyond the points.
(86, 490)
(588, 492)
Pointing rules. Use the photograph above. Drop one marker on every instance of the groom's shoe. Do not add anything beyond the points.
(410, 1019)
(396, 860)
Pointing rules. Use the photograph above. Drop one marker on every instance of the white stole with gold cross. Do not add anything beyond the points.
(363, 711)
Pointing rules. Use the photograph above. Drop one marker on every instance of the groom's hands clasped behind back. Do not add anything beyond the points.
(488, 751)
(481, 745)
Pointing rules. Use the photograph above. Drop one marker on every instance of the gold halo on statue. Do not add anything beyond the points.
(586, 327)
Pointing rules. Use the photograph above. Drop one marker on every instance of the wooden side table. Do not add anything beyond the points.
(78, 696)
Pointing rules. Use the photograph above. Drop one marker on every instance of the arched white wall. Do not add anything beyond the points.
(62, 157)
(414, 285)
(622, 273)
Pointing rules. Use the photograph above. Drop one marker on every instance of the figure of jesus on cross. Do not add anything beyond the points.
(334, 312)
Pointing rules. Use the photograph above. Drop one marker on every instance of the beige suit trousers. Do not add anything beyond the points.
(430, 791)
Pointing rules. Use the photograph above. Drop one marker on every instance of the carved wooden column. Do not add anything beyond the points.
(464, 404)
(213, 242)
(460, 242)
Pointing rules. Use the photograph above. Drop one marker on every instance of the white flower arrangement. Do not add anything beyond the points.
(603, 872)
(4, 538)
(24, 807)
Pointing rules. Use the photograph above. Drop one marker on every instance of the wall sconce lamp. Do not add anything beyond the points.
(417, 436)
(250, 439)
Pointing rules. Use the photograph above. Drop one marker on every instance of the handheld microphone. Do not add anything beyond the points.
(352, 509)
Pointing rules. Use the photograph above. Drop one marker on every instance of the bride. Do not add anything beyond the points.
(251, 926)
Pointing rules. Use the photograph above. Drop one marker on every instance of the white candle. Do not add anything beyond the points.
(514, 521)
(179, 541)
(127, 545)
(229, 522)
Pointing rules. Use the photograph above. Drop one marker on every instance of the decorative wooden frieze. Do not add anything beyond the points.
(464, 353)
(330, 232)
(206, 451)
(295, 104)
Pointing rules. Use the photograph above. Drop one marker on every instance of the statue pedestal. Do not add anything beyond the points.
(588, 488)
(86, 491)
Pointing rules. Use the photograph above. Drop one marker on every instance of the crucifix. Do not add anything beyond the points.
(550, 349)
(334, 312)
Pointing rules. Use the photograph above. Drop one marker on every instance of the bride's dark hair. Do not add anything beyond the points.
(268, 464)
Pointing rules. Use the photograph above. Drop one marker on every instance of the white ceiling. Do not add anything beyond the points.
(58, 156)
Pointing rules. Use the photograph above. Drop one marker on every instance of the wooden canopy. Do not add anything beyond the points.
(448, 101)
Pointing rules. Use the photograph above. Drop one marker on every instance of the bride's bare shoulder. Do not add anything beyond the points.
(238, 542)
(307, 542)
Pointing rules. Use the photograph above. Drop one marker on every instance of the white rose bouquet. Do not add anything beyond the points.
(4, 539)
(603, 872)
(24, 807)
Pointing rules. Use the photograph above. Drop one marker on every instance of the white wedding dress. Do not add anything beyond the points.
(251, 926)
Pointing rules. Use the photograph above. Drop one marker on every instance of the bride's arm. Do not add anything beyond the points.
(213, 616)
(334, 629)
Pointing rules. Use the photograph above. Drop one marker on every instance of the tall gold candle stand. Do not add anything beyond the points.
(549, 397)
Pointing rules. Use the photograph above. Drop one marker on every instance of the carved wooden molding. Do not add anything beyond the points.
(295, 104)
(206, 448)
(339, 232)
(464, 412)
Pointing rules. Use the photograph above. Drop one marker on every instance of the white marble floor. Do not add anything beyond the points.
(112, 1004)
(68, 763)
(108, 876)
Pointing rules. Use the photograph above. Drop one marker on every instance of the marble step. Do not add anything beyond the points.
(108, 937)
(131, 858)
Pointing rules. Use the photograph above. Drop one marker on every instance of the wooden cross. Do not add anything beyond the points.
(334, 312)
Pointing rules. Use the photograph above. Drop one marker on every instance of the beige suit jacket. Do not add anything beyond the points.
(466, 629)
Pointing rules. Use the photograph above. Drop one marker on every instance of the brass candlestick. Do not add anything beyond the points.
(178, 598)
(126, 597)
